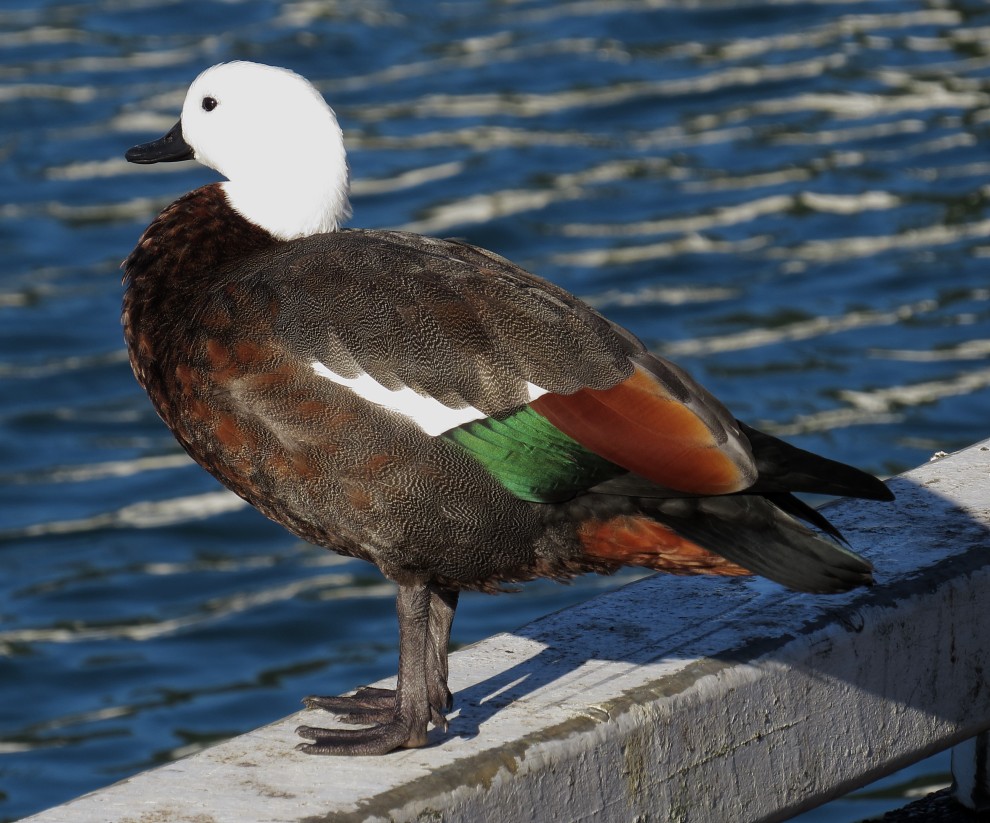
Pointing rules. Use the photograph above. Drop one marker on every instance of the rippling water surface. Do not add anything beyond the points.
(789, 198)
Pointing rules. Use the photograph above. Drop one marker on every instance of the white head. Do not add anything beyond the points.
(272, 135)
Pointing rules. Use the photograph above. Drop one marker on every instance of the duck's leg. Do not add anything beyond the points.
(443, 604)
(426, 613)
(372, 705)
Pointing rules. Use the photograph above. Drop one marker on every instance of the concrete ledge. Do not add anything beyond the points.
(671, 699)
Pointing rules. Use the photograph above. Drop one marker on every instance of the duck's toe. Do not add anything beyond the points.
(397, 733)
(373, 705)
(367, 705)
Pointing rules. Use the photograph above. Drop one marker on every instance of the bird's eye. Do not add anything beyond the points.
(209, 103)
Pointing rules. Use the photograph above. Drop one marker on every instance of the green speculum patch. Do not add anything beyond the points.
(531, 457)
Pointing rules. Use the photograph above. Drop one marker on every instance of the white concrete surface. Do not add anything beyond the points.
(672, 699)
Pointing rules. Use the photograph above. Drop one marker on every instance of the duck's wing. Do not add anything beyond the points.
(544, 391)
(444, 319)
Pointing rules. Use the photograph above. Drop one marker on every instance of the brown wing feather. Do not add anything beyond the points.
(445, 319)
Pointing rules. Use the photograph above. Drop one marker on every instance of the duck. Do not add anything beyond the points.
(430, 407)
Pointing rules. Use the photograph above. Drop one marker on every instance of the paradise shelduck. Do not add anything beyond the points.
(430, 407)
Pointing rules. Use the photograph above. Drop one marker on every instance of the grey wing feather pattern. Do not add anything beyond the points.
(443, 318)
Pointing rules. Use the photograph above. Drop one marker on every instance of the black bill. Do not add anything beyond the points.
(167, 149)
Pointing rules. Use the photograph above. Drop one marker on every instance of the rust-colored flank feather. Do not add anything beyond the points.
(640, 427)
(639, 541)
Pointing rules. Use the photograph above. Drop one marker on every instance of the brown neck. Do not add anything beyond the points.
(185, 254)
(198, 233)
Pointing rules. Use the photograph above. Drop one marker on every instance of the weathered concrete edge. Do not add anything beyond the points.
(487, 786)
(663, 745)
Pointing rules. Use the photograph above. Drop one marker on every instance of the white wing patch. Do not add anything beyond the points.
(432, 416)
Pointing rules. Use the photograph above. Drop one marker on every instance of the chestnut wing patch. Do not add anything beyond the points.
(683, 443)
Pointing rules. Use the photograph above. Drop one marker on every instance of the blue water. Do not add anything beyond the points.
(790, 199)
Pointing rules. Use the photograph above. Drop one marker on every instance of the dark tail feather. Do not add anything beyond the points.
(754, 533)
(797, 507)
(785, 468)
